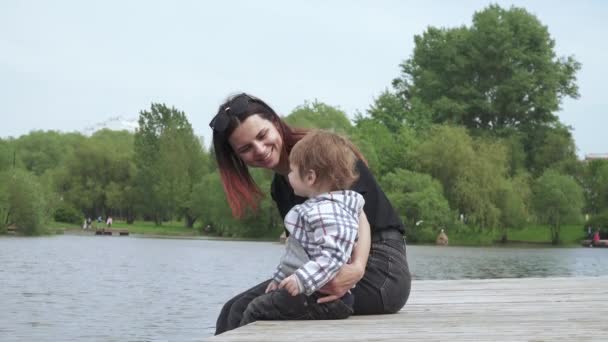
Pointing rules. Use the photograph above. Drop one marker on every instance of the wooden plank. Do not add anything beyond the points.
(532, 309)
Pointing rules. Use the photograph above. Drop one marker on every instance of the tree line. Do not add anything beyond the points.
(466, 138)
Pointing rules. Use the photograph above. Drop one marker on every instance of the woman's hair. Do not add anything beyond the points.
(332, 157)
(240, 188)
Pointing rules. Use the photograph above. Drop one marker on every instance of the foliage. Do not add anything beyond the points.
(384, 150)
(319, 115)
(6, 154)
(511, 199)
(389, 110)
(26, 203)
(595, 182)
(551, 147)
(599, 221)
(92, 171)
(169, 160)
(467, 126)
(557, 199)
(418, 198)
(501, 72)
(40, 151)
(4, 200)
(67, 214)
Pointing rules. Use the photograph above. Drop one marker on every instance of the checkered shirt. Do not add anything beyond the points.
(326, 227)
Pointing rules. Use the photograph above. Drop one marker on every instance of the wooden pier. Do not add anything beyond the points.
(528, 309)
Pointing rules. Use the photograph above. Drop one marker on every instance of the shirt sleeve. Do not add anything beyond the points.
(334, 231)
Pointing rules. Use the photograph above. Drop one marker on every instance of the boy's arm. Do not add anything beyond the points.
(278, 275)
(332, 244)
(350, 273)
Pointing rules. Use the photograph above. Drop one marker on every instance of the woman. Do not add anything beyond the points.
(248, 133)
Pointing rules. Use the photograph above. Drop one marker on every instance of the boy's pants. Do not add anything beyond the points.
(280, 305)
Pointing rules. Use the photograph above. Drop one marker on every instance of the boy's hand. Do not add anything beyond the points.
(271, 286)
(291, 285)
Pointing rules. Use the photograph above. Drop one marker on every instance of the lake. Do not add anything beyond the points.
(102, 288)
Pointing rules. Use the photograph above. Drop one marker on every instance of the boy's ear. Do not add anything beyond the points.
(311, 177)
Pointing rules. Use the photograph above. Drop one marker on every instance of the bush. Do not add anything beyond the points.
(599, 221)
(26, 203)
(67, 214)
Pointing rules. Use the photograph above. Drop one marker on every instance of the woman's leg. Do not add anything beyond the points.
(385, 287)
(232, 312)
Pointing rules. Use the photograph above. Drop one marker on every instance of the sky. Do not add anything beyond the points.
(69, 65)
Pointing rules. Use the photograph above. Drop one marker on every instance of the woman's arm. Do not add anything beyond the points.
(350, 273)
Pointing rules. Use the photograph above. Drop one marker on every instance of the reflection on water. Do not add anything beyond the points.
(86, 288)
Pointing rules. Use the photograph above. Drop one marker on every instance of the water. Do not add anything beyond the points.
(87, 288)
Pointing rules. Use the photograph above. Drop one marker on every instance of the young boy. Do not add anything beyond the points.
(322, 232)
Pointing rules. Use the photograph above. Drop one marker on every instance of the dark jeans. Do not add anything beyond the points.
(385, 286)
(280, 305)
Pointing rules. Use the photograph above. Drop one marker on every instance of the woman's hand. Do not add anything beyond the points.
(352, 272)
(347, 277)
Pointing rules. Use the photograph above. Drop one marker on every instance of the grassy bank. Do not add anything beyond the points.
(532, 234)
(172, 228)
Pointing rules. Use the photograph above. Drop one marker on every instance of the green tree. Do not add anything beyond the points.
(510, 199)
(4, 203)
(169, 160)
(470, 171)
(319, 115)
(501, 72)
(6, 154)
(595, 182)
(24, 203)
(389, 110)
(557, 200)
(551, 147)
(384, 151)
(40, 151)
(419, 200)
(445, 153)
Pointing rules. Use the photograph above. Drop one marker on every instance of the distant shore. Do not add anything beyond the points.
(529, 236)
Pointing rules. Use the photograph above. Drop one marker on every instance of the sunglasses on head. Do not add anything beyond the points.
(235, 107)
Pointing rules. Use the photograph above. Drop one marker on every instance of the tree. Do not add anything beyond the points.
(319, 115)
(551, 147)
(470, 171)
(169, 163)
(389, 110)
(445, 153)
(418, 198)
(501, 72)
(384, 151)
(595, 182)
(40, 151)
(6, 155)
(24, 204)
(208, 202)
(511, 199)
(557, 199)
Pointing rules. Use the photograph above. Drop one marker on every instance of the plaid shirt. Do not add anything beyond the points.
(326, 227)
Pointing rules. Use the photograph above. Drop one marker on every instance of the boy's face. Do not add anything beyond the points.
(302, 186)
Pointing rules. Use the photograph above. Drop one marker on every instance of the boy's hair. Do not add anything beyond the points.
(330, 155)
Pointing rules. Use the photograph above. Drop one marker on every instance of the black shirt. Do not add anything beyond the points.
(378, 209)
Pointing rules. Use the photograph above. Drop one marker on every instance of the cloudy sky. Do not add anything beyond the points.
(68, 65)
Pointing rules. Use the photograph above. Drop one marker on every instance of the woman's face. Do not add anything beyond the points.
(257, 142)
